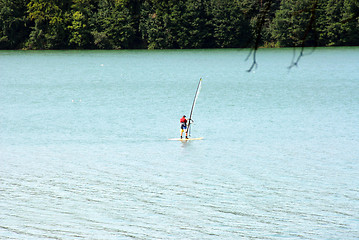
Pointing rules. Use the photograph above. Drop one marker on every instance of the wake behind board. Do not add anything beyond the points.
(184, 139)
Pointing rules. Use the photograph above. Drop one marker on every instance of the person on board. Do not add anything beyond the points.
(183, 122)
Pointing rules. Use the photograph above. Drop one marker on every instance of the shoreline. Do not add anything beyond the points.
(186, 49)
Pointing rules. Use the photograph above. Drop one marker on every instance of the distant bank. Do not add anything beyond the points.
(177, 24)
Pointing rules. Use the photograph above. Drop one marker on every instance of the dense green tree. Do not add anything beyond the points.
(196, 26)
(80, 26)
(114, 26)
(152, 26)
(162, 24)
(230, 26)
(48, 29)
(350, 22)
(291, 25)
(135, 7)
(13, 31)
(341, 23)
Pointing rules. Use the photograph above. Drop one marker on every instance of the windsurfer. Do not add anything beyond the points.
(183, 122)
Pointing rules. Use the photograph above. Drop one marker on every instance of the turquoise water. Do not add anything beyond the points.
(84, 151)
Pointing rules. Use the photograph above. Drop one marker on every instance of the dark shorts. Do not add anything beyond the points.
(183, 126)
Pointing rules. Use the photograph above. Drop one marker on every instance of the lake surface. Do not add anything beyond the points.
(84, 150)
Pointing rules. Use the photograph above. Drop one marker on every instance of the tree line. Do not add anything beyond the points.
(177, 24)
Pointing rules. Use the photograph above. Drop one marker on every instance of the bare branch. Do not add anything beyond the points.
(309, 27)
(259, 28)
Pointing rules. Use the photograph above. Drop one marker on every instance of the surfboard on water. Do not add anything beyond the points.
(185, 139)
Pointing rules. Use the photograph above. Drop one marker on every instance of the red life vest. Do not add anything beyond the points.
(183, 120)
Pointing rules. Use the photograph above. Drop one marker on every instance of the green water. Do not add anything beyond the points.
(84, 151)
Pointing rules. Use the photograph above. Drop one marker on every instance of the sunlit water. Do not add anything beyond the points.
(84, 150)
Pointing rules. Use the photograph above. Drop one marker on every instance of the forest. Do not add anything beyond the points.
(177, 24)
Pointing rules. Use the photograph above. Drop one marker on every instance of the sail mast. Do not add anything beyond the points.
(194, 103)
